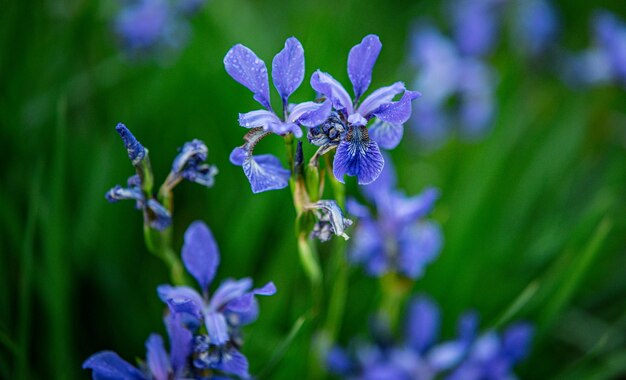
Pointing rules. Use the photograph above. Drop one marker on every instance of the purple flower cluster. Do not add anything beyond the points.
(189, 164)
(335, 121)
(397, 238)
(150, 26)
(470, 356)
(204, 330)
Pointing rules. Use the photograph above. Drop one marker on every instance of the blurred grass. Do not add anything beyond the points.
(525, 212)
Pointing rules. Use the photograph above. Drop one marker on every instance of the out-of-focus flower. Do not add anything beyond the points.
(397, 238)
(159, 364)
(358, 151)
(154, 26)
(458, 89)
(214, 320)
(535, 26)
(421, 356)
(265, 172)
(475, 25)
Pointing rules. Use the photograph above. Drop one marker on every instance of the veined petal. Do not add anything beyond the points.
(419, 245)
(379, 97)
(234, 363)
(265, 172)
(381, 191)
(107, 365)
(387, 135)
(200, 253)
(180, 342)
(157, 359)
(311, 114)
(423, 323)
(258, 118)
(229, 290)
(361, 62)
(238, 156)
(397, 112)
(288, 68)
(358, 155)
(246, 68)
(333, 90)
(216, 327)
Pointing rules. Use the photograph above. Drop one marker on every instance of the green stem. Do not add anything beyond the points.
(159, 244)
(395, 289)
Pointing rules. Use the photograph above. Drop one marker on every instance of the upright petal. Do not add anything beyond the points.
(200, 253)
(379, 97)
(216, 327)
(358, 155)
(157, 359)
(180, 342)
(107, 365)
(419, 245)
(397, 112)
(311, 114)
(288, 68)
(333, 90)
(387, 135)
(423, 323)
(265, 172)
(361, 61)
(246, 68)
(234, 363)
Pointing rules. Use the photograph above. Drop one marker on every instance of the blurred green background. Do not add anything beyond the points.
(533, 215)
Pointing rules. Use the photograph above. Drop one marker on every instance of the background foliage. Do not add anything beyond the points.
(533, 215)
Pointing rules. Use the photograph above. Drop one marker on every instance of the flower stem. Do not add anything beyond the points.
(159, 244)
(395, 289)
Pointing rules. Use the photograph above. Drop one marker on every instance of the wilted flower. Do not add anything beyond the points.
(420, 356)
(215, 320)
(265, 172)
(330, 220)
(357, 151)
(396, 238)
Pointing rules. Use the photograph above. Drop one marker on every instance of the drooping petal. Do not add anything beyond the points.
(200, 253)
(160, 218)
(358, 155)
(181, 299)
(258, 118)
(387, 135)
(157, 359)
(361, 62)
(419, 245)
(234, 363)
(330, 212)
(246, 68)
(228, 291)
(381, 191)
(119, 193)
(180, 342)
(379, 97)
(265, 172)
(326, 85)
(397, 112)
(311, 114)
(423, 323)
(288, 68)
(216, 327)
(238, 156)
(107, 365)
(192, 153)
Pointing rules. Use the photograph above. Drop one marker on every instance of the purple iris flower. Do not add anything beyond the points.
(358, 152)
(397, 238)
(475, 25)
(536, 26)
(421, 356)
(214, 319)
(107, 365)
(446, 74)
(265, 172)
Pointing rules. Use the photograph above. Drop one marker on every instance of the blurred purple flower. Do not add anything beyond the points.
(535, 26)
(221, 315)
(445, 74)
(397, 239)
(159, 364)
(421, 356)
(358, 151)
(476, 25)
(265, 172)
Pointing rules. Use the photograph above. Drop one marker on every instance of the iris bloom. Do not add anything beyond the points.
(396, 238)
(358, 152)
(265, 172)
(214, 319)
